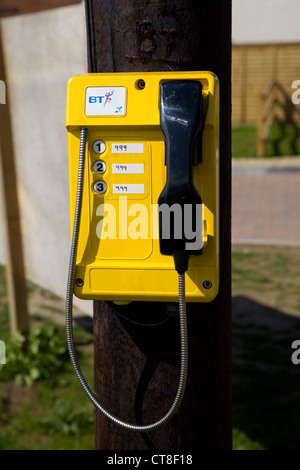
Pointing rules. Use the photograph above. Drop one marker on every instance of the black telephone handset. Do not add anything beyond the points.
(180, 120)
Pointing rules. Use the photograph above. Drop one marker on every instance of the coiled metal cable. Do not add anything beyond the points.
(69, 317)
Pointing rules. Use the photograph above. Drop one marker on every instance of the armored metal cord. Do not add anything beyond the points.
(69, 316)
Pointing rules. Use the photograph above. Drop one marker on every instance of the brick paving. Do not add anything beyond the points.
(266, 201)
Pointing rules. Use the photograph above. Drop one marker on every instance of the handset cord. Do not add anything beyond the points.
(69, 316)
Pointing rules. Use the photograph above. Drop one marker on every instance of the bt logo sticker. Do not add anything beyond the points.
(105, 101)
(98, 99)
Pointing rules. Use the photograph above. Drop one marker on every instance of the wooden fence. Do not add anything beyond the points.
(254, 67)
(275, 104)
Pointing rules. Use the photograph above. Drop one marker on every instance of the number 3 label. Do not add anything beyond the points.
(100, 187)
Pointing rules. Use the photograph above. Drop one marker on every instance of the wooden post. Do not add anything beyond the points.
(15, 273)
(136, 367)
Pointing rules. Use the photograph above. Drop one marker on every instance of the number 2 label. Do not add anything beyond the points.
(99, 166)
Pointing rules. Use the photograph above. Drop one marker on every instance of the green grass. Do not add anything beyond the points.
(244, 141)
(266, 390)
(284, 139)
(242, 442)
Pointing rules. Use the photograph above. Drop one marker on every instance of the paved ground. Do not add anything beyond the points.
(266, 201)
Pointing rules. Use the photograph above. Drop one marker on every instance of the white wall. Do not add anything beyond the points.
(42, 51)
(265, 21)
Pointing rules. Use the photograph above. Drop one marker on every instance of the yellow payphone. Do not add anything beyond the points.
(143, 162)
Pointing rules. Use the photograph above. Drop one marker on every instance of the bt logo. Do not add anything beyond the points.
(98, 99)
(105, 101)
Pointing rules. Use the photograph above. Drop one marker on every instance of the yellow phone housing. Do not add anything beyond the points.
(118, 254)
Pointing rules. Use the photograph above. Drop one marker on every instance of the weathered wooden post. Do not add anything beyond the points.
(137, 366)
